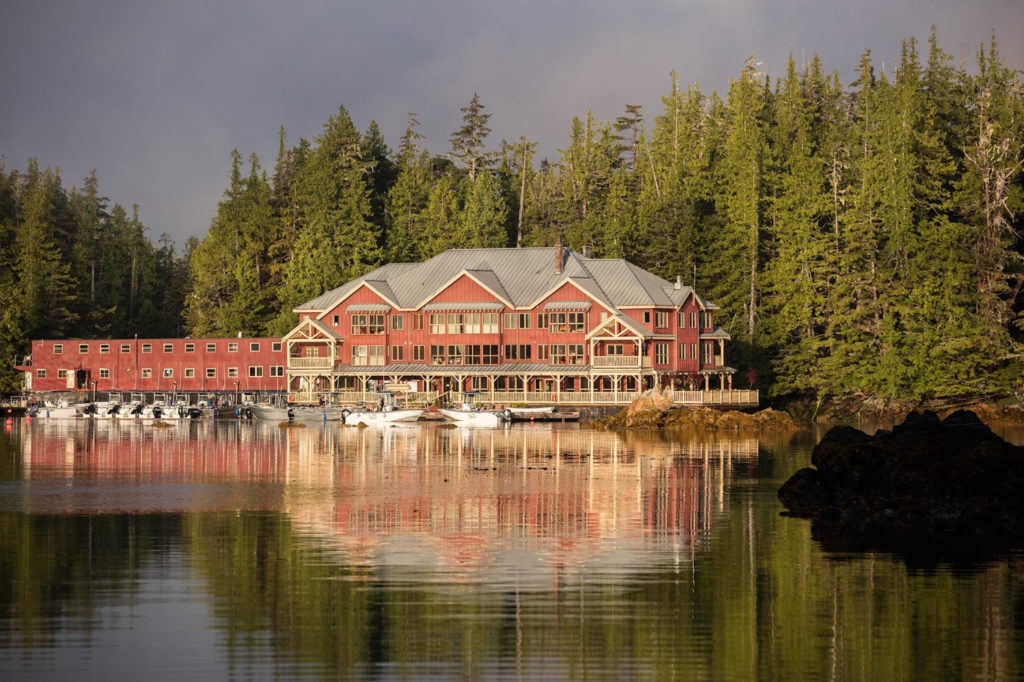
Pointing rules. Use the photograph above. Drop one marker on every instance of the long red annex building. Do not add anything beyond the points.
(542, 324)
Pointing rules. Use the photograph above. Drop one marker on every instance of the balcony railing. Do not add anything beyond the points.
(616, 360)
(309, 363)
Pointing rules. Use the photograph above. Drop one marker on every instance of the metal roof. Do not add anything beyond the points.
(369, 307)
(567, 305)
(516, 277)
(467, 305)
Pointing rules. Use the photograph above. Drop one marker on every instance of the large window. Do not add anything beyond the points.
(576, 322)
(489, 323)
(368, 355)
(542, 320)
(613, 349)
(417, 353)
(277, 370)
(661, 353)
(661, 319)
(456, 323)
(255, 371)
(575, 353)
(437, 323)
(397, 322)
(437, 355)
(511, 321)
(706, 353)
(558, 323)
(472, 325)
(417, 321)
(515, 351)
(397, 353)
(542, 352)
(367, 324)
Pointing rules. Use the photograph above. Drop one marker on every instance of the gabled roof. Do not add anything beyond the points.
(518, 277)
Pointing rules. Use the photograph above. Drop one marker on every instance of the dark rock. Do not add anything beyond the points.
(926, 478)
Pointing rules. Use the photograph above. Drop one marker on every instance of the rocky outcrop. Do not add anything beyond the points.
(697, 418)
(941, 479)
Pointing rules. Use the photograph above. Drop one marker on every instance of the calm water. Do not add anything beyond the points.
(240, 551)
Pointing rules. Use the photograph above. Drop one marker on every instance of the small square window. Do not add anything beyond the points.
(276, 346)
(168, 371)
(62, 374)
(146, 372)
(147, 348)
(190, 348)
(190, 372)
(211, 372)
(104, 373)
(58, 348)
(233, 372)
(254, 347)
(255, 370)
(233, 347)
(168, 347)
(41, 373)
(126, 348)
(104, 348)
(83, 348)
(211, 348)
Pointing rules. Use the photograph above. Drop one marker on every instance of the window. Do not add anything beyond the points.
(455, 355)
(83, 348)
(397, 353)
(233, 347)
(62, 374)
(367, 324)
(417, 322)
(575, 354)
(693, 320)
(146, 372)
(232, 372)
(334, 320)
(147, 348)
(397, 322)
(417, 353)
(277, 370)
(489, 354)
(126, 348)
(707, 321)
(576, 322)
(255, 370)
(489, 323)
(706, 354)
(41, 373)
(437, 356)
(190, 372)
(556, 352)
(58, 348)
(661, 353)
(479, 383)
(472, 323)
(511, 321)
(542, 352)
(104, 348)
(276, 346)
(190, 348)
(471, 355)
(613, 349)
(437, 323)
(682, 320)
(367, 355)
(693, 351)
(456, 323)
(647, 317)
(211, 348)
(211, 372)
(254, 347)
(168, 372)
(376, 324)
(517, 351)
(542, 320)
(661, 319)
(168, 347)
(682, 351)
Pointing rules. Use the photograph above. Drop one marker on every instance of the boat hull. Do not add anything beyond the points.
(355, 417)
(475, 417)
(299, 414)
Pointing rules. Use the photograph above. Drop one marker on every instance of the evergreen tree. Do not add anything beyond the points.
(469, 140)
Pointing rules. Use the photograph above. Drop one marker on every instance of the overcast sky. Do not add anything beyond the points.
(155, 94)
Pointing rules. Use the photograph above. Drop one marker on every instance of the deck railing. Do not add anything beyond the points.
(744, 398)
(310, 363)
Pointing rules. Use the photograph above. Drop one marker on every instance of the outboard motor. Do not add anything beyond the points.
(89, 409)
(157, 412)
(114, 409)
(344, 415)
(291, 415)
(507, 414)
(182, 412)
(137, 410)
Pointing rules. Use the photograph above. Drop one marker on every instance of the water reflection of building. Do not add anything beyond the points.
(419, 495)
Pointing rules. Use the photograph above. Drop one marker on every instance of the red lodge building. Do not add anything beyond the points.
(542, 325)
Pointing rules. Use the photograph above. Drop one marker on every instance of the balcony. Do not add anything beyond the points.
(310, 363)
(616, 360)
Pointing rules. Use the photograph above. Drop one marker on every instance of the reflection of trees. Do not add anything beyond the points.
(547, 552)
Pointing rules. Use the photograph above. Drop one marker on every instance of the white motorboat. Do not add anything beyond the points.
(470, 414)
(390, 414)
(297, 413)
(61, 409)
(528, 411)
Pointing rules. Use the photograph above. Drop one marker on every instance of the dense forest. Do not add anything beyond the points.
(861, 239)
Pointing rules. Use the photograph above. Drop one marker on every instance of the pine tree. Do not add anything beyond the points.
(469, 140)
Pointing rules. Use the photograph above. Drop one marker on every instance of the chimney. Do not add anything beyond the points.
(559, 256)
(679, 283)
(586, 251)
